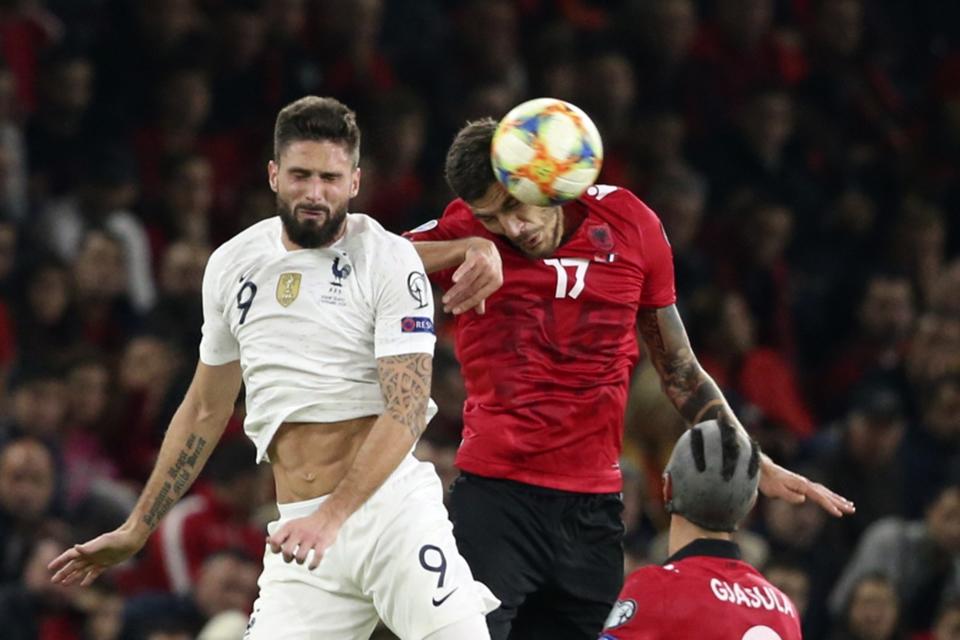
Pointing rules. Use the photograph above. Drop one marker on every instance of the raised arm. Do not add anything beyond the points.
(405, 382)
(479, 275)
(194, 431)
(697, 397)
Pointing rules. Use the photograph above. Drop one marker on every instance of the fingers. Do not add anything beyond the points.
(72, 573)
(793, 497)
(834, 504)
(92, 575)
(469, 294)
(64, 574)
(299, 551)
(276, 540)
(302, 551)
(288, 548)
(287, 541)
(296, 545)
(469, 280)
(475, 280)
(468, 265)
(317, 556)
(475, 301)
(63, 559)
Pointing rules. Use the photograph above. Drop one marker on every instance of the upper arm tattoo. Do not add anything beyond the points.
(691, 390)
(405, 384)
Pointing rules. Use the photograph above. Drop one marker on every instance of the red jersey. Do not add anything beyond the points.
(703, 591)
(547, 367)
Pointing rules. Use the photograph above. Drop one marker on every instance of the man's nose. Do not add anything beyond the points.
(315, 192)
(513, 225)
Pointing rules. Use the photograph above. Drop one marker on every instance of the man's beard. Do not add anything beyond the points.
(311, 233)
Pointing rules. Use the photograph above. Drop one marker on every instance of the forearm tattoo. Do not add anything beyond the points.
(179, 476)
(405, 383)
(684, 381)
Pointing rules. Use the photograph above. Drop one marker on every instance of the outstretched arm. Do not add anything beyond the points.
(194, 431)
(697, 397)
(479, 275)
(405, 382)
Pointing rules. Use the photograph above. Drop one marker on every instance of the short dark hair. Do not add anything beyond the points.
(317, 119)
(468, 170)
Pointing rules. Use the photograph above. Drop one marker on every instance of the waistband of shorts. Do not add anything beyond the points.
(533, 489)
(291, 510)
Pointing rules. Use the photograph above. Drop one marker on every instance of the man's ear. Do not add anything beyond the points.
(667, 488)
(273, 172)
(355, 183)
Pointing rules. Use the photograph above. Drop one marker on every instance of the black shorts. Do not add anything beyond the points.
(554, 558)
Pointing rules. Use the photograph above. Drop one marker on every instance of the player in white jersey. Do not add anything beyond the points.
(328, 320)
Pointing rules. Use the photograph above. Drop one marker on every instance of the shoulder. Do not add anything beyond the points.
(370, 238)
(646, 582)
(377, 250)
(627, 214)
(458, 209)
(258, 237)
(458, 218)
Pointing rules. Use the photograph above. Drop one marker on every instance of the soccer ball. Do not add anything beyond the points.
(546, 152)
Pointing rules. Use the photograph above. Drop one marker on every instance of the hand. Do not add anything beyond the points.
(777, 482)
(480, 274)
(297, 538)
(83, 563)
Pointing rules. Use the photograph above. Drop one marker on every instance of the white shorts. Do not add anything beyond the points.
(395, 558)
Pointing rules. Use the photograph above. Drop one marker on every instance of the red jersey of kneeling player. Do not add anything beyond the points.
(704, 591)
(547, 368)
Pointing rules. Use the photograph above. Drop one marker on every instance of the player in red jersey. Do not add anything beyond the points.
(704, 590)
(547, 367)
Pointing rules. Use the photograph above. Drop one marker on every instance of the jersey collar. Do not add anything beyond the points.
(707, 547)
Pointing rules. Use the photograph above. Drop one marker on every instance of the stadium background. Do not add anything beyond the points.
(803, 155)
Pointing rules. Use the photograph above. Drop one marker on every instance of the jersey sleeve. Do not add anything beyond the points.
(659, 287)
(633, 616)
(218, 345)
(403, 303)
(456, 222)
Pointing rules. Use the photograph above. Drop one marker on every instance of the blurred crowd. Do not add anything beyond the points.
(804, 156)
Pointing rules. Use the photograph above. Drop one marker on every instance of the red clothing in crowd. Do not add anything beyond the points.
(768, 381)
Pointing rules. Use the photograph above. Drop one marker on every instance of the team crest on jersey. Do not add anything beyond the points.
(622, 613)
(340, 273)
(600, 236)
(288, 288)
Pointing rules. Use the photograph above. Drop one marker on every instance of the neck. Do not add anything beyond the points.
(683, 532)
(570, 220)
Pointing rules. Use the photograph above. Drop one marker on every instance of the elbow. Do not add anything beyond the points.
(205, 413)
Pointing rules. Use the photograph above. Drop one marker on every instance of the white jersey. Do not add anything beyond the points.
(308, 325)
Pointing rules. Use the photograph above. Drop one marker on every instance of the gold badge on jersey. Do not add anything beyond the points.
(288, 288)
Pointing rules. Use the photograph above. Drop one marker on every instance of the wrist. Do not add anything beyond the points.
(137, 529)
(475, 243)
(337, 508)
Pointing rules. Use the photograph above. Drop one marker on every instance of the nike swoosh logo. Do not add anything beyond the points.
(439, 602)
